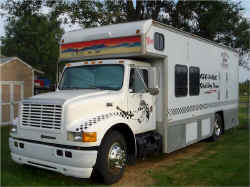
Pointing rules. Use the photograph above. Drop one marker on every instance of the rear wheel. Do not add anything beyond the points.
(112, 157)
(218, 127)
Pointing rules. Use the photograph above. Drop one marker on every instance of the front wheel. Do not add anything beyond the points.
(218, 127)
(112, 157)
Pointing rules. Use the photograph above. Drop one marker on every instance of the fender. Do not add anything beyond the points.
(100, 126)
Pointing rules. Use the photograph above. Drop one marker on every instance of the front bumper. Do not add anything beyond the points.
(80, 164)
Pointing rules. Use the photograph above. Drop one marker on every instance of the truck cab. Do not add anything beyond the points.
(95, 102)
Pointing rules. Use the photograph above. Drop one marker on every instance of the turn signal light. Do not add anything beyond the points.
(89, 137)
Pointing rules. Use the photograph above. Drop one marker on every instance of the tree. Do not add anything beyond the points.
(219, 21)
(19, 8)
(33, 37)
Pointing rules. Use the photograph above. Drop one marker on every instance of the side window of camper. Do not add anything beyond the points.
(194, 81)
(159, 41)
(181, 80)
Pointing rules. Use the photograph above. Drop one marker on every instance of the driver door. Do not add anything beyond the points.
(140, 102)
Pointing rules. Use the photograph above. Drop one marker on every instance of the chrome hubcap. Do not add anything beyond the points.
(116, 157)
(217, 128)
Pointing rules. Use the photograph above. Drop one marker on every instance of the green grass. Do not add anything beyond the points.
(223, 163)
(244, 99)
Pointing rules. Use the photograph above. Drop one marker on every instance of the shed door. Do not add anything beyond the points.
(11, 93)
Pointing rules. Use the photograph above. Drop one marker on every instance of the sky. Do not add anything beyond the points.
(243, 74)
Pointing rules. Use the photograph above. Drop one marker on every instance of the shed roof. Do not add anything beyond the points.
(5, 60)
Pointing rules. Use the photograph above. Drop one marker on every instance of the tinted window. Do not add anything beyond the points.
(194, 81)
(159, 41)
(181, 76)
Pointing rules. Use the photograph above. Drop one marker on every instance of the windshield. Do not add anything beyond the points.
(108, 77)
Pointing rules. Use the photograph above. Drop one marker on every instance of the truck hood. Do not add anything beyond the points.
(60, 97)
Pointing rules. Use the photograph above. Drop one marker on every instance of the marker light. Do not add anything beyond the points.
(82, 136)
(89, 137)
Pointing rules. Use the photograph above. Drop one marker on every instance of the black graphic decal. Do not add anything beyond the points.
(197, 107)
(144, 109)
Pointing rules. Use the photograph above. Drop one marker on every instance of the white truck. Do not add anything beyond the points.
(126, 91)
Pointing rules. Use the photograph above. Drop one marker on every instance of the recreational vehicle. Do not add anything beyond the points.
(127, 90)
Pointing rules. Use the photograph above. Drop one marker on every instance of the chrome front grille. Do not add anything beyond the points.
(42, 116)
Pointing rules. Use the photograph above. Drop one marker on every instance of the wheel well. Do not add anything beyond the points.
(222, 117)
(129, 138)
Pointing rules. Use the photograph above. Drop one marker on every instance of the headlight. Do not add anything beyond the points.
(75, 136)
(82, 136)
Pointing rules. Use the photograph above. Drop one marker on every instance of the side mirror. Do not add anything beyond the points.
(153, 91)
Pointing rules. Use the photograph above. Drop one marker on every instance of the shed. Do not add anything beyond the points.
(16, 83)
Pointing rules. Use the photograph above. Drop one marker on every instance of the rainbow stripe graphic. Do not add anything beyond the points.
(101, 47)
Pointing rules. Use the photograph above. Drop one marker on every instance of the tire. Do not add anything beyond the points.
(113, 147)
(218, 127)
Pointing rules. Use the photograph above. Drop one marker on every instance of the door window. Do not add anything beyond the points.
(136, 83)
